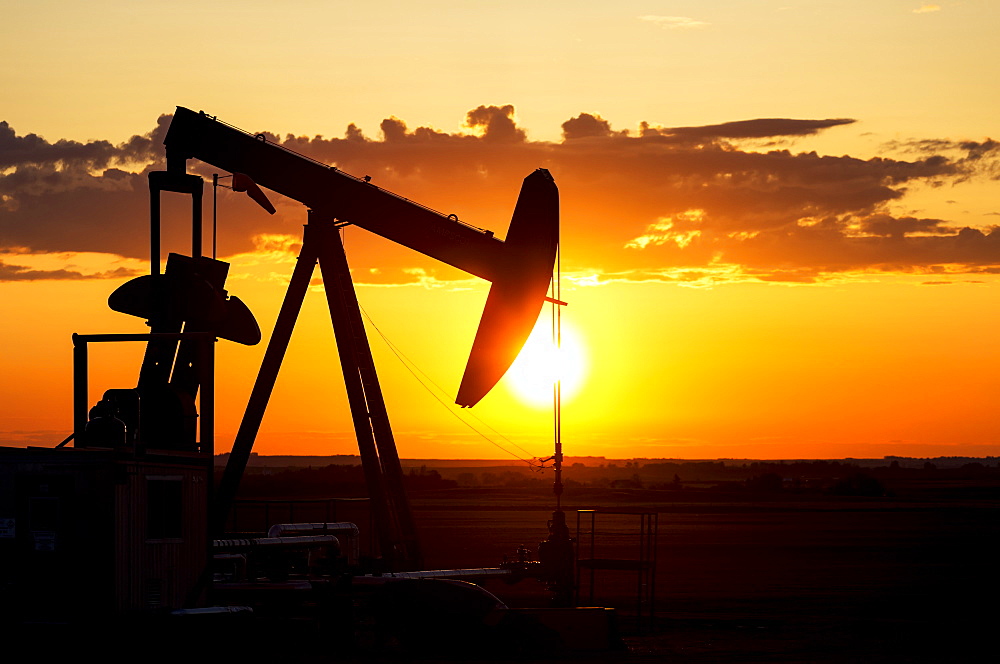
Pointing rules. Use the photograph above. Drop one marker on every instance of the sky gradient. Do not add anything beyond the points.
(779, 219)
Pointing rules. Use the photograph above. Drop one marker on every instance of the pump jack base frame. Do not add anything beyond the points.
(383, 472)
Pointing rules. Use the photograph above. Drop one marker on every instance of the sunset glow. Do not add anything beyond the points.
(779, 221)
(541, 363)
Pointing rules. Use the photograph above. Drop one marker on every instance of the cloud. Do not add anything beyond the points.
(496, 123)
(982, 157)
(833, 247)
(927, 9)
(586, 125)
(10, 272)
(32, 149)
(663, 201)
(970, 150)
(760, 128)
(673, 22)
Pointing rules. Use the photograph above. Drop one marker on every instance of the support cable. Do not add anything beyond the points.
(413, 369)
(535, 463)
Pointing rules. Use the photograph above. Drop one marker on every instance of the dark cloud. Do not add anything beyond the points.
(980, 150)
(835, 252)
(70, 196)
(497, 123)
(682, 199)
(63, 197)
(884, 225)
(983, 155)
(32, 149)
(393, 129)
(586, 125)
(10, 272)
(759, 128)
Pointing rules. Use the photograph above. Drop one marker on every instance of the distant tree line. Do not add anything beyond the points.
(329, 481)
(842, 478)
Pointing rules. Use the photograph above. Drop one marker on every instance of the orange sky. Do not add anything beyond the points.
(778, 224)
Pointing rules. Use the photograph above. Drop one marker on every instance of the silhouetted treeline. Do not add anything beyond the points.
(805, 471)
(842, 478)
(758, 478)
(329, 481)
(425, 478)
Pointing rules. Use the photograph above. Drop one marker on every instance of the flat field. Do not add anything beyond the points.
(808, 578)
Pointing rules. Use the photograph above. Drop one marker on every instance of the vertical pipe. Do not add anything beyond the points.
(197, 191)
(80, 397)
(207, 398)
(215, 214)
(154, 227)
(206, 406)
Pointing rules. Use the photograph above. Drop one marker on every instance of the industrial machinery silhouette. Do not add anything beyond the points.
(141, 465)
(520, 269)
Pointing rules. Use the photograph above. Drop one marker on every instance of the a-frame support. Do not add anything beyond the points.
(383, 473)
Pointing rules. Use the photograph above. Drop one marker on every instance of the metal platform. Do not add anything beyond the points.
(602, 531)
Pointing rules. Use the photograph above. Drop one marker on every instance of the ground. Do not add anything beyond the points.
(779, 578)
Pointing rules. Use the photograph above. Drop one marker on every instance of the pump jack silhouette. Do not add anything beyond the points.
(520, 269)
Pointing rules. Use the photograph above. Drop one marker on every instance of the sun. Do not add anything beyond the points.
(540, 363)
